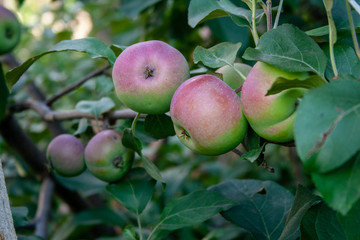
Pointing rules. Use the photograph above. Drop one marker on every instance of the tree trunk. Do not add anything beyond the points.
(7, 230)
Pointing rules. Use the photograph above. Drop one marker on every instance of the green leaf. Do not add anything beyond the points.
(83, 125)
(321, 223)
(261, 206)
(92, 46)
(199, 12)
(129, 140)
(159, 126)
(326, 127)
(251, 140)
(88, 218)
(351, 222)
(347, 63)
(134, 191)
(20, 216)
(191, 209)
(282, 84)
(303, 201)
(152, 170)
(217, 56)
(4, 93)
(132, 8)
(318, 32)
(117, 49)
(240, 16)
(340, 188)
(253, 154)
(96, 108)
(129, 233)
(290, 49)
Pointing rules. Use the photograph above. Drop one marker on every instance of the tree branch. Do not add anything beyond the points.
(44, 207)
(51, 100)
(49, 115)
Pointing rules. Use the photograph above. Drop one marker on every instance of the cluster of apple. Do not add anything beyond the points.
(104, 156)
(209, 117)
(10, 30)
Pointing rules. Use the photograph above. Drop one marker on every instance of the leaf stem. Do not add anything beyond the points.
(253, 18)
(139, 225)
(278, 14)
(332, 36)
(153, 231)
(237, 71)
(134, 123)
(352, 28)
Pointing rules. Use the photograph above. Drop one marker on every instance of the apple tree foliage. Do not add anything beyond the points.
(305, 189)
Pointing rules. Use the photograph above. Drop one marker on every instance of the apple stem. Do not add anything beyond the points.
(239, 89)
(352, 28)
(134, 123)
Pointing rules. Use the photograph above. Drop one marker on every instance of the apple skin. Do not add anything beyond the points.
(146, 75)
(271, 117)
(207, 115)
(231, 77)
(106, 158)
(10, 30)
(66, 155)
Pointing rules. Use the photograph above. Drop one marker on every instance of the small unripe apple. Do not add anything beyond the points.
(10, 30)
(271, 117)
(147, 74)
(207, 115)
(106, 158)
(66, 155)
(231, 77)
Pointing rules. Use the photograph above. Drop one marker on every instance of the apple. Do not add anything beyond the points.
(106, 158)
(207, 115)
(271, 117)
(66, 155)
(10, 30)
(231, 77)
(146, 75)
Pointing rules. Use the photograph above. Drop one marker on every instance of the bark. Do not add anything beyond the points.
(7, 230)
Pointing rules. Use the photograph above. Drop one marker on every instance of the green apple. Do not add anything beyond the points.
(106, 158)
(66, 155)
(271, 117)
(207, 115)
(146, 75)
(10, 30)
(231, 77)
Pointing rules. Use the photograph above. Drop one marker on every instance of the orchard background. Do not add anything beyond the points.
(58, 80)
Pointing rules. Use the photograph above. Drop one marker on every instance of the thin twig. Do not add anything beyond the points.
(44, 207)
(268, 15)
(49, 115)
(278, 14)
(99, 72)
